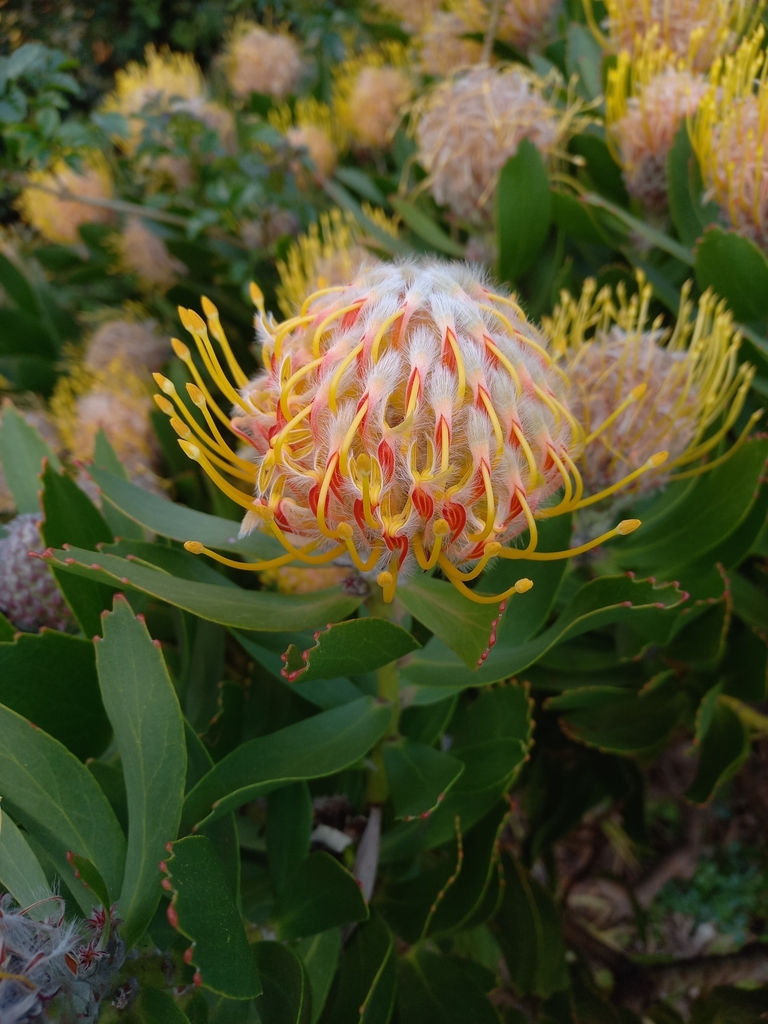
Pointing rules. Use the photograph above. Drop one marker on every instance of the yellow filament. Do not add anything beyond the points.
(532, 528)
(214, 326)
(653, 463)
(533, 469)
(363, 467)
(346, 534)
(182, 351)
(491, 551)
(520, 587)
(196, 327)
(324, 488)
(198, 455)
(445, 453)
(485, 398)
(184, 432)
(171, 390)
(318, 294)
(388, 583)
(329, 320)
(567, 485)
(505, 363)
(490, 510)
(551, 556)
(633, 396)
(705, 467)
(280, 440)
(285, 328)
(349, 437)
(338, 374)
(381, 332)
(290, 384)
(413, 396)
(516, 334)
(461, 372)
(198, 549)
(199, 400)
(440, 529)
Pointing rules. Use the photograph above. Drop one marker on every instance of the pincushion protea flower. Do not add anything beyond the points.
(691, 388)
(730, 134)
(370, 91)
(410, 419)
(647, 99)
(469, 126)
(312, 126)
(256, 60)
(696, 30)
(144, 253)
(59, 219)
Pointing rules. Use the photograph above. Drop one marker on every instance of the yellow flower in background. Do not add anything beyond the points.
(370, 92)
(290, 579)
(115, 400)
(59, 219)
(313, 126)
(329, 254)
(256, 60)
(442, 45)
(647, 100)
(413, 418)
(696, 30)
(525, 23)
(412, 15)
(691, 386)
(729, 135)
(136, 342)
(469, 126)
(167, 82)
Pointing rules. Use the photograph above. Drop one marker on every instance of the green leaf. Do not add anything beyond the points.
(57, 800)
(745, 664)
(426, 228)
(528, 932)
(288, 831)
(17, 286)
(387, 242)
(228, 605)
(523, 211)
(203, 911)
(155, 1006)
(621, 721)
(736, 269)
(708, 511)
(177, 521)
(418, 776)
(318, 746)
(684, 188)
(651, 235)
(604, 600)
(367, 976)
(120, 524)
(576, 219)
(7, 631)
(722, 751)
(70, 517)
(349, 648)
(20, 871)
(149, 730)
(23, 333)
(584, 58)
(320, 956)
(436, 988)
(749, 602)
(320, 894)
(359, 182)
(284, 985)
(465, 626)
(50, 678)
(22, 451)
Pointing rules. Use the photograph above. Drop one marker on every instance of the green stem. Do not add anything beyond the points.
(751, 718)
(388, 689)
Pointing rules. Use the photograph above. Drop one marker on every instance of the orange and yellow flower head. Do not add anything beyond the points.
(647, 100)
(689, 387)
(369, 94)
(730, 137)
(469, 126)
(409, 419)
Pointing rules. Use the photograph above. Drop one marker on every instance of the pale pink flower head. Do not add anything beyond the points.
(260, 61)
(469, 126)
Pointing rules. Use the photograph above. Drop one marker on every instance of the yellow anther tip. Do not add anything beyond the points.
(195, 322)
(165, 385)
(208, 307)
(196, 395)
(638, 392)
(385, 579)
(627, 526)
(164, 405)
(658, 459)
(442, 529)
(257, 295)
(523, 585)
(194, 546)
(190, 450)
(181, 350)
(183, 316)
(181, 428)
(363, 464)
(492, 549)
(344, 530)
